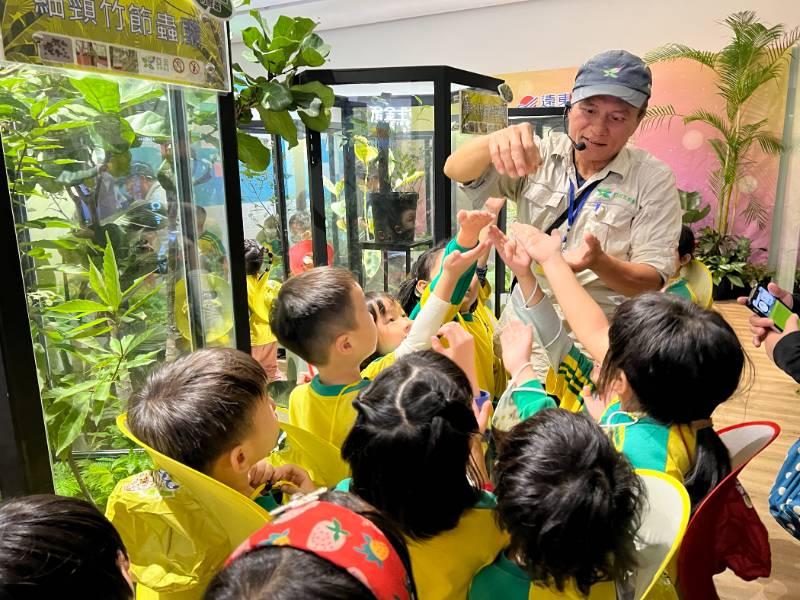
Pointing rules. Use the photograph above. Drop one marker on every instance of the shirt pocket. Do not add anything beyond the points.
(611, 224)
(544, 205)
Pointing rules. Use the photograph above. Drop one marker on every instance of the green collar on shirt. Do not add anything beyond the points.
(469, 317)
(507, 565)
(334, 390)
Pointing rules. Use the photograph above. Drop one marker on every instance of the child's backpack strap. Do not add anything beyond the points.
(784, 499)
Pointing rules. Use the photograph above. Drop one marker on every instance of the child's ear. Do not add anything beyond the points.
(421, 285)
(621, 386)
(238, 459)
(342, 344)
(686, 259)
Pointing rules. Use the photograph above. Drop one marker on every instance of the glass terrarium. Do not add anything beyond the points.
(114, 198)
(377, 194)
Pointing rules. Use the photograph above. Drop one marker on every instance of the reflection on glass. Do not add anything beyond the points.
(378, 180)
(106, 238)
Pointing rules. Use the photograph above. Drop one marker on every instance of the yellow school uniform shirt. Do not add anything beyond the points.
(261, 292)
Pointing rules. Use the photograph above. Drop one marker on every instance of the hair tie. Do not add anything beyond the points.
(339, 536)
(701, 424)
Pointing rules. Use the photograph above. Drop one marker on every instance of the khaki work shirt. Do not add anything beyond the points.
(634, 211)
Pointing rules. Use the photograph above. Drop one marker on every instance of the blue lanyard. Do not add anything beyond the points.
(572, 208)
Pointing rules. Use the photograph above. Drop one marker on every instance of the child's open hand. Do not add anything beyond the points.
(470, 223)
(595, 405)
(512, 252)
(460, 349)
(482, 415)
(516, 339)
(586, 255)
(494, 205)
(540, 246)
(457, 262)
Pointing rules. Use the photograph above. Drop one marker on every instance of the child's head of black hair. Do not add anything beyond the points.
(569, 500)
(409, 449)
(686, 243)
(312, 309)
(253, 257)
(285, 573)
(422, 270)
(199, 406)
(681, 362)
(56, 547)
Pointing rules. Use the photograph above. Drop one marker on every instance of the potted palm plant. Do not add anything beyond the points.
(755, 57)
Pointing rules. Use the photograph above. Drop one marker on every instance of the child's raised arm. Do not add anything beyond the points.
(581, 311)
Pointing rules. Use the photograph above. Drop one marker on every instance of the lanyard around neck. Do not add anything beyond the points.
(576, 204)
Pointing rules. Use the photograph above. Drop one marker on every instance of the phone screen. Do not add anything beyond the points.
(771, 307)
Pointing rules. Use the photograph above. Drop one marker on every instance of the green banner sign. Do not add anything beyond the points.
(173, 41)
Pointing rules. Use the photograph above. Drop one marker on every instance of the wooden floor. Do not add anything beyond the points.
(774, 396)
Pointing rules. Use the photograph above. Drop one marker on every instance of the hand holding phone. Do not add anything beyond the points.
(764, 304)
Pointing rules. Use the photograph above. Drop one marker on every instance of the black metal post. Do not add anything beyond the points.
(24, 455)
(442, 218)
(499, 265)
(233, 217)
(283, 216)
(186, 210)
(351, 198)
(317, 200)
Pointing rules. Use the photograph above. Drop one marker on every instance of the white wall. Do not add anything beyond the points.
(540, 34)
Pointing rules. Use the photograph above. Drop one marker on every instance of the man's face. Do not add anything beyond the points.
(604, 124)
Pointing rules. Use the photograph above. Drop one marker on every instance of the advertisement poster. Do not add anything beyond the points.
(482, 112)
(174, 42)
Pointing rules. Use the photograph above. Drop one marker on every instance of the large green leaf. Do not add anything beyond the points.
(115, 133)
(302, 27)
(79, 307)
(279, 123)
(97, 283)
(277, 96)
(321, 122)
(364, 151)
(149, 124)
(305, 93)
(313, 52)
(101, 94)
(74, 418)
(252, 36)
(283, 27)
(252, 152)
(139, 93)
(111, 276)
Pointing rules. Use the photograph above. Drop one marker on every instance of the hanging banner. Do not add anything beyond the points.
(482, 111)
(173, 42)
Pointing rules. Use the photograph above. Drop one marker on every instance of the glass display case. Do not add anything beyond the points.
(116, 202)
(377, 192)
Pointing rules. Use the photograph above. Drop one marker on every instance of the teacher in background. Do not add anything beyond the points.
(617, 207)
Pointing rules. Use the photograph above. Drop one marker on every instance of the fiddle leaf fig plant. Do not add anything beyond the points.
(282, 52)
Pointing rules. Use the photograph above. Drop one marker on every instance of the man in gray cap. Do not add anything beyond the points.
(616, 207)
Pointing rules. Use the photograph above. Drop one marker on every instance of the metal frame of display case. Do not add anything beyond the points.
(24, 452)
(443, 78)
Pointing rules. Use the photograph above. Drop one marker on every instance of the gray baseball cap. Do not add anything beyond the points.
(614, 73)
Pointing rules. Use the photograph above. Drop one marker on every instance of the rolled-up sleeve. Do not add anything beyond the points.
(657, 226)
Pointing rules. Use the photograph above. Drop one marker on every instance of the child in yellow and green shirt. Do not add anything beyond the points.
(261, 292)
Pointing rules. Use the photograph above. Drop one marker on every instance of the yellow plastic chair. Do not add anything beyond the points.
(700, 281)
(238, 515)
(320, 458)
(664, 520)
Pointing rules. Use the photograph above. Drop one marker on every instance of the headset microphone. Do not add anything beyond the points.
(580, 145)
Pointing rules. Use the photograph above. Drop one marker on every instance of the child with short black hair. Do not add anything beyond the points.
(330, 546)
(415, 453)
(572, 505)
(56, 547)
(661, 367)
(322, 316)
(209, 410)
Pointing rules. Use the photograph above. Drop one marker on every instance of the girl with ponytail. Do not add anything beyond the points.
(415, 454)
